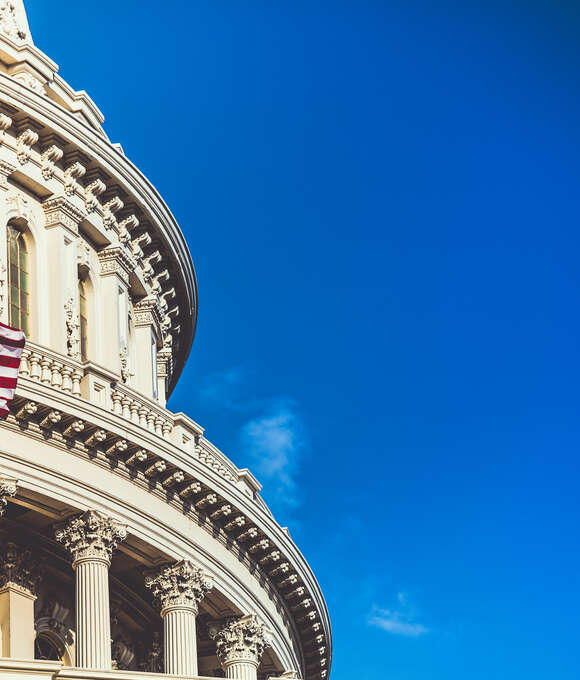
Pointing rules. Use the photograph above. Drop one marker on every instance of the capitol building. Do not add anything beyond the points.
(131, 547)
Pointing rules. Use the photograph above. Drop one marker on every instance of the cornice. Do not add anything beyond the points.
(68, 126)
(260, 538)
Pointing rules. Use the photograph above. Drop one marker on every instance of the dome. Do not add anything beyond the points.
(132, 545)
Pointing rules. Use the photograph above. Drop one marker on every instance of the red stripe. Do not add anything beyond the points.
(3, 412)
(9, 362)
(8, 383)
(10, 328)
(12, 343)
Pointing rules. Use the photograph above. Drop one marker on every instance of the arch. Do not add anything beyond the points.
(20, 253)
(54, 642)
(86, 313)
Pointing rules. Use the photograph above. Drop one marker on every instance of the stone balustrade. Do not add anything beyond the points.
(49, 368)
(129, 404)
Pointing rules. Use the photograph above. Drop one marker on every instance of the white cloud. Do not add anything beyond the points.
(274, 443)
(397, 621)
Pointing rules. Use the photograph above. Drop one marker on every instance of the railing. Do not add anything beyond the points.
(128, 403)
(101, 387)
(49, 368)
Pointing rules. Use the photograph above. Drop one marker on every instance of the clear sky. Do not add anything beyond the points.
(381, 201)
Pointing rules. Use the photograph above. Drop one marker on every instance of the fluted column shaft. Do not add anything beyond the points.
(93, 618)
(180, 641)
(242, 670)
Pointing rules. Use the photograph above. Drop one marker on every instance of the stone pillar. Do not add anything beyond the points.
(116, 266)
(18, 580)
(62, 228)
(147, 322)
(91, 539)
(240, 645)
(178, 590)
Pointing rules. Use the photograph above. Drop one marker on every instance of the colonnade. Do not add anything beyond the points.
(91, 539)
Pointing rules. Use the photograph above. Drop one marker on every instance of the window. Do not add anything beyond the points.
(18, 280)
(84, 320)
(45, 649)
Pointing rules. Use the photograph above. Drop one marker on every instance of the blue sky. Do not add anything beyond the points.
(381, 200)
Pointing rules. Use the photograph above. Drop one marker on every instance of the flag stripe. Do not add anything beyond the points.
(12, 342)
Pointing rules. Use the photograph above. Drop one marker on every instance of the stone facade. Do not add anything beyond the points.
(130, 543)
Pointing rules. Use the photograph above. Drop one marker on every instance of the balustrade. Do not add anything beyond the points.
(48, 368)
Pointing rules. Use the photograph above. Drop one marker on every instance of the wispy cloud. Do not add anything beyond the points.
(399, 621)
(224, 388)
(274, 442)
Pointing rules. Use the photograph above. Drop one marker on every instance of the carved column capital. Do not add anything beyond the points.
(8, 489)
(241, 640)
(59, 211)
(91, 536)
(182, 585)
(18, 570)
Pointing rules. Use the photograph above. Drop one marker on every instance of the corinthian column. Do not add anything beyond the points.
(91, 539)
(179, 589)
(240, 645)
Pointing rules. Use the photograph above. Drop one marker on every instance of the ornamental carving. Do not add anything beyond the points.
(59, 211)
(10, 24)
(24, 143)
(241, 640)
(91, 535)
(18, 569)
(50, 157)
(7, 490)
(73, 337)
(181, 585)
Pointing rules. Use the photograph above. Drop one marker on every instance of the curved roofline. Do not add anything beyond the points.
(129, 176)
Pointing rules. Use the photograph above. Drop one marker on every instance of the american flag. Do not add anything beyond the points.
(11, 345)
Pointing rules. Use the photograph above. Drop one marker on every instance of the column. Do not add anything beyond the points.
(178, 590)
(147, 323)
(240, 645)
(62, 221)
(91, 539)
(19, 577)
(116, 266)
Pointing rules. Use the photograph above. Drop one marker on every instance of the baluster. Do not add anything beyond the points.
(45, 371)
(77, 376)
(143, 416)
(24, 364)
(135, 412)
(67, 379)
(126, 403)
(56, 375)
(116, 399)
(35, 366)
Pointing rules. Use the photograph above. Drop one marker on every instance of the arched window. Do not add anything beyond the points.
(46, 649)
(18, 279)
(84, 320)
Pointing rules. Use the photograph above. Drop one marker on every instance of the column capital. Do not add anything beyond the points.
(179, 586)
(91, 536)
(116, 260)
(18, 570)
(241, 640)
(8, 489)
(59, 211)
